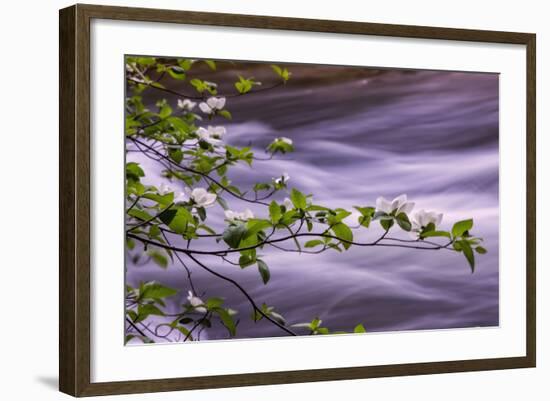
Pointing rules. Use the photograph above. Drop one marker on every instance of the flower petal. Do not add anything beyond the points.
(406, 208)
(209, 199)
(398, 202)
(205, 108)
(383, 205)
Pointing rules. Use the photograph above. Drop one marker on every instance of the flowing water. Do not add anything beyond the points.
(431, 135)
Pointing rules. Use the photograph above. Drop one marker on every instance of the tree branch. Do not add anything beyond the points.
(244, 292)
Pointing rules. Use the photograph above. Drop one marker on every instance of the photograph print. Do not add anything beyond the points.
(267, 199)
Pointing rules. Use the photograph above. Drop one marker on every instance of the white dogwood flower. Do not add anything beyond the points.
(211, 84)
(422, 218)
(399, 205)
(285, 140)
(282, 179)
(196, 302)
(186, 104)
(212, 135)
(201, 197)
(246, 215)
(212, 104)
(165, 189)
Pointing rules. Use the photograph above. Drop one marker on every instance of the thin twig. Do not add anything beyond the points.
(244, 292)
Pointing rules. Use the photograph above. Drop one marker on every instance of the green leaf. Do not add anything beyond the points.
(281, 72)
(185, 64)
(139, 214)
(154, 231)
(246, 260)
(222, 202)
(201, 212)
(333, 246)
(481, 250)
(314, 208)
(177, 72)
(243, 85)
(313, 243)
(379, 215)
(366, 215)
(403, 221)
(298, 199)
(227, 320)
(146, 61)
(386, 223)
(234, 234)
(461, 227)
(254, 226)
(177, 219)
(435, 234)
(211, 64)
(159, 258)
(364, 221)
(176, 155)
(206, 228)
(275, 212)
(135, 188)
(165, 112)
(261, 186)
(214, 302)
(468, 253)
(315, 323)
(163, 200)
(365, 211)
(343, 232)
(185, 320)
(134, 171)
(264, 271)
(359, 329)
(340, 215)
(147, 309)
(199, 85)
(154, 290)
(225, 114)
(277, 69)
(181, 126)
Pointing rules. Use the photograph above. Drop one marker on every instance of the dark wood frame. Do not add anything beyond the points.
(74, 202)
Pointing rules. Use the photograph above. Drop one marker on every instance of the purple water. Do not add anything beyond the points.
(431, 135)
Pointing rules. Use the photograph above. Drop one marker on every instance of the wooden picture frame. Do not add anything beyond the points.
(74, 204)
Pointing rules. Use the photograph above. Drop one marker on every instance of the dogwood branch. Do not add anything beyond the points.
(224, 252)
(191, 170)
(197, 97)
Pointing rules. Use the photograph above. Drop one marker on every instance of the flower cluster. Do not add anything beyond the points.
(281, 144)
(199, 196)
(186, 105)
(420, 220)
(212, 104)
(212, 135)
(243, 216)
(282, 180)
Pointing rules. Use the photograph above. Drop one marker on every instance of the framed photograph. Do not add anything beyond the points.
(249, 200)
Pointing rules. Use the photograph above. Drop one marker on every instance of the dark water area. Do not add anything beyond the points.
(430, 135)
